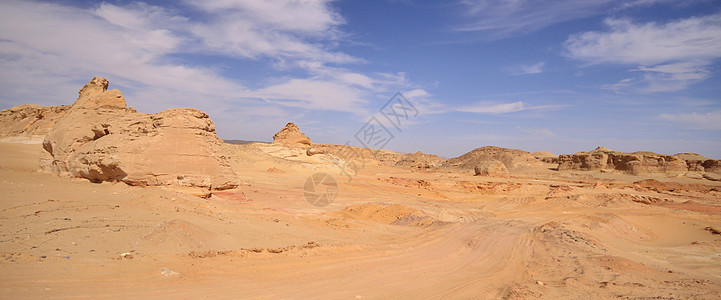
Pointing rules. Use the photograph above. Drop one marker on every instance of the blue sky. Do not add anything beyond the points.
(559, 76)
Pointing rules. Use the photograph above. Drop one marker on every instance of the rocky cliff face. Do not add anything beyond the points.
(636, 163)
(100, 139)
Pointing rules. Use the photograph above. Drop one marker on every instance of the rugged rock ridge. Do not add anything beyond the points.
(511, 158)
(101, 139)
(291, 136)
(635, 163)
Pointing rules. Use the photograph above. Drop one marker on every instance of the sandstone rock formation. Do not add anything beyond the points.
(634, 163)
(291, 136)
(29, 123)
(492, 168)
(100, 139)
(511, 158)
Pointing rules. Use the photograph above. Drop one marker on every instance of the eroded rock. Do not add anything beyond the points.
(291, 136)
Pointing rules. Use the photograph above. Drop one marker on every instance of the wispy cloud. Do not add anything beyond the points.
(528, 69)
(671, 56)
(500, 108)
(497, 19)
(702, 121)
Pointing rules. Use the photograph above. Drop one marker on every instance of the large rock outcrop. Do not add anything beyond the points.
(101, 139)
(635, 163)
(29, 123)
(511, 158)
(291, 136)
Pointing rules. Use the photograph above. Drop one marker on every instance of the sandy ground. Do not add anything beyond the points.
(390, 233)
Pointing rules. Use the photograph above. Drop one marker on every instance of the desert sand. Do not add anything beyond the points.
(404, 226)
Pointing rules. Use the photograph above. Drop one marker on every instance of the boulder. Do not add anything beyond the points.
(102, 140)
(291, 136)
(511, 158)
(635, 163)
(492, 168)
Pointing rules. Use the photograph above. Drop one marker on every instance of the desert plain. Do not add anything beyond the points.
(84, 213)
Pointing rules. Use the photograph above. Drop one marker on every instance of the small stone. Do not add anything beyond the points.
(168, 272)
(539, 282)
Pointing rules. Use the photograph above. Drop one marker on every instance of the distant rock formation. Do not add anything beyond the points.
(491, 168)
(546, 157)
(101, 139)
(419, 160)
(291, 136)
(511, 158)
(634, 163)
(29, 123)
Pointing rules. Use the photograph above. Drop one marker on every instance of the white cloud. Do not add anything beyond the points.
(703, 121)
(672, 56)
(528, 69)
(282, 29)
